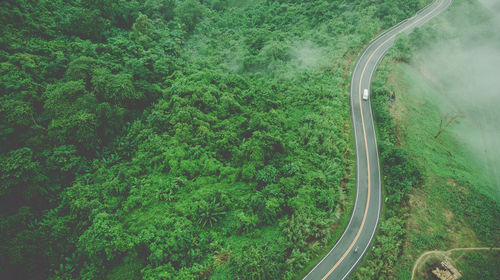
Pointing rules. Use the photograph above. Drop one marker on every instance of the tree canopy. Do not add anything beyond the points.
(169, 139)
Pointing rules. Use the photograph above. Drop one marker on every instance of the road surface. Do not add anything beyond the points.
(342, 259)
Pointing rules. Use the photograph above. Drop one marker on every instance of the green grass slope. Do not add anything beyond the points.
(447, 77)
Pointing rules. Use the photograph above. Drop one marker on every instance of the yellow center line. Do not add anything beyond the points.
(366, 142)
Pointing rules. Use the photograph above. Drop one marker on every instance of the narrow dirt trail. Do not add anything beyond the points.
(446, 254)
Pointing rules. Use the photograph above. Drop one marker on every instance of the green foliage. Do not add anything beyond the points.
(81, 69)
(447, 208)
(385, 252)
(19, 171)
(114, 88)
(163, 9)
(400, 174)
(392, 14)
(190, 12)
(86, 24)
(104, 239)
(166, 139)
(263, 261)
(143, 29)
(402, 49)
(479, 264)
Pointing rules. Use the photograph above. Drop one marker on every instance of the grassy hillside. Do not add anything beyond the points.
(444, 100)
(167, 139)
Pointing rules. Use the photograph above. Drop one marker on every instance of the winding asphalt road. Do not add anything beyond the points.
(342, 259)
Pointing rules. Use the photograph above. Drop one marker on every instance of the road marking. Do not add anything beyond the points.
(366, 142)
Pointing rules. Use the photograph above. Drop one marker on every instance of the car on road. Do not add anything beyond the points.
(365, 94)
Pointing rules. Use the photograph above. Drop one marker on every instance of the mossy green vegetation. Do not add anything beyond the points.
(437, 76)
(167, 139)
(478, 264)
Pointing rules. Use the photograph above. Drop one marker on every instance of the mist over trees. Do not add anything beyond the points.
(166, 139)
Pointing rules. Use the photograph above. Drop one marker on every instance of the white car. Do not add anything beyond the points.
(365, 94)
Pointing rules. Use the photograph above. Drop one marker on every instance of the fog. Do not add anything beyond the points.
(493, 5)
(464, 66)
(307, 55)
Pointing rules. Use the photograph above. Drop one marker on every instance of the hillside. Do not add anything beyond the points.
(435, 103)
(168, 139)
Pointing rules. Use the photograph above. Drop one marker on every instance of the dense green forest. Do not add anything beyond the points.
(167, 139)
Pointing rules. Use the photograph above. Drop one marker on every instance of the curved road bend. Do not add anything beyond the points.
(342, 259)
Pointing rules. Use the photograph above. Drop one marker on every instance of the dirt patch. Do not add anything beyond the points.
(417, 200)
(418, 216)
(397, 108)
(333, 227)
(452, 182)
(399, 111)
(465, 189)
(448, 215)
(445, 255)
(417, 203)
(222, 256)
(462, 236)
